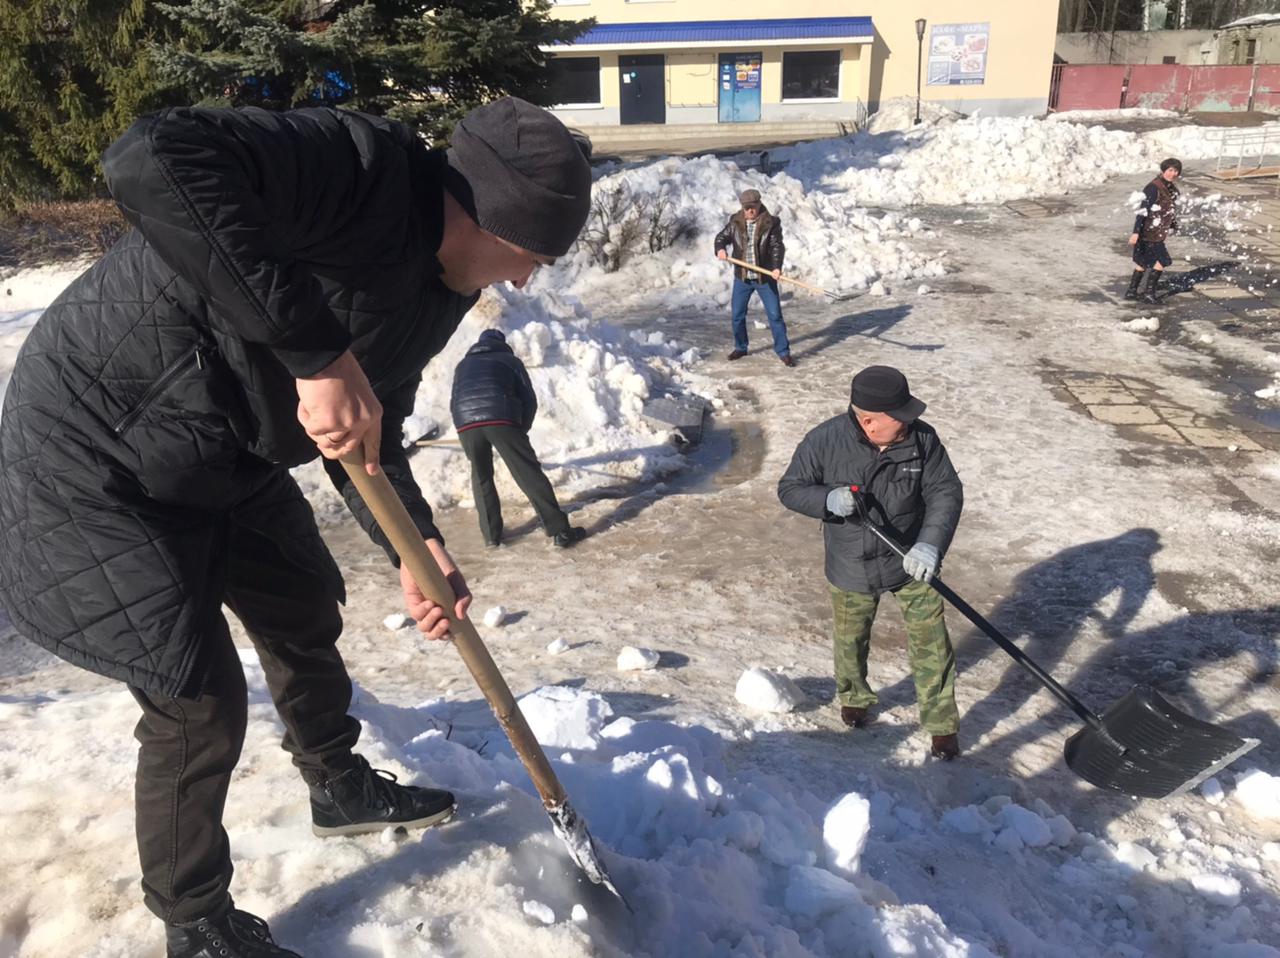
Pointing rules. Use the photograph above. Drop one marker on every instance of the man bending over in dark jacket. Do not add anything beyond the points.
(909, 487)
(288, 277)
(493, 406)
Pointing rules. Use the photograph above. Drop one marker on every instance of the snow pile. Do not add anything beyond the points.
(1144, 324)
(495, 616)
(899, 113)
(985, 160)
(557, 646)
(831, 240)
(1259, 793)
(767, 691)
(1087, 117)
(396, 621)
(713, 862)
(592, 381)
(632, 659)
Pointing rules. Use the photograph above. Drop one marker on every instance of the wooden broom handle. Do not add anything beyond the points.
(769, 273)
(391, 515)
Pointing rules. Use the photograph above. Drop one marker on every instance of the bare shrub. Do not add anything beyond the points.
(48, 232)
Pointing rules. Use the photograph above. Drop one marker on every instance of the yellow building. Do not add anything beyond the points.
(705, 61)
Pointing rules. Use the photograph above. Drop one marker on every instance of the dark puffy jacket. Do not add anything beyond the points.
(911, 488)
(770, 250)
(153, 405)
(491, 387)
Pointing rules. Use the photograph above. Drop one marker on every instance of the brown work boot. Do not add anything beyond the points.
(737, 354)
(854, 716)
(945, 747)
(787, 360)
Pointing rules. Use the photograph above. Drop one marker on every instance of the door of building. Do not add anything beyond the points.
(739, 87)
(642, 88)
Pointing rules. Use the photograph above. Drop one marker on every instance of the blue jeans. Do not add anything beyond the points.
(768, 291)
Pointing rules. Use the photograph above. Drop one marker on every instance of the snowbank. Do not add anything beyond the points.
(713, 862)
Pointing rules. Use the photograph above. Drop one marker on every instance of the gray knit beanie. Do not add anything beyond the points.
(527, 175)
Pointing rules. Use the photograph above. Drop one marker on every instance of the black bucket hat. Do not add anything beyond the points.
(884, 389)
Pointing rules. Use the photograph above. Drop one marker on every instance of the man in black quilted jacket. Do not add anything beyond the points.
(288, 277)
(493, 406)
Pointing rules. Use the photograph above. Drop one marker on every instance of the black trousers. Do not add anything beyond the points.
(513, 446)
(190, 744)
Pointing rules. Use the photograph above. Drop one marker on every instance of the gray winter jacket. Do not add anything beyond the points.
(911, 489)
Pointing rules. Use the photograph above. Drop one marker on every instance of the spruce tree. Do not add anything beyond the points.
(425, 63)
(73, 76)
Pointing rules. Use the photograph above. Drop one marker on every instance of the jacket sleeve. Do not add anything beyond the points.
(802, 488)
(395, 463)
(528, 398)
(223, 195)
(724, 239)
(943, 497)
(777, 248)
(1149, 197)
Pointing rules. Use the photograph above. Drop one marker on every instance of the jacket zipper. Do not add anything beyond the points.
(166, 379)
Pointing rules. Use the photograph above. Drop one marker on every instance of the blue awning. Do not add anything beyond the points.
(720, 32)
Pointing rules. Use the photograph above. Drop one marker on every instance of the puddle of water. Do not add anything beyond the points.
(727, 456)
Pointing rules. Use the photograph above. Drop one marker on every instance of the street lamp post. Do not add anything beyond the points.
(919, 57)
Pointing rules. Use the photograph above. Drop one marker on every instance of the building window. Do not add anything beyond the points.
(1250, 48)
(575, 81)
(811, 75)
(1169, 60)
(1235, 51)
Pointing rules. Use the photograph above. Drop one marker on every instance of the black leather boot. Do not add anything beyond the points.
(232, 934)
(1134, 282)
(364, 799)
(1153, 283)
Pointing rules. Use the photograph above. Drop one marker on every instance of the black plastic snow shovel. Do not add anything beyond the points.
(393, 518)
(1141, 746)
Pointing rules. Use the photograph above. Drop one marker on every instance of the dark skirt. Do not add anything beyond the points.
(1147, 255)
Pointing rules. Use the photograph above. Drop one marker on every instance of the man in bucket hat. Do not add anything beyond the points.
(756, 237)
(288, 277)
(908, 487)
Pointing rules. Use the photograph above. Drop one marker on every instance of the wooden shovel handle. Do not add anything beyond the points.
(389, 511)
(769, 273)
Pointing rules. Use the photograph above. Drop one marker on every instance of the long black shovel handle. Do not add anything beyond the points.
(996, 636)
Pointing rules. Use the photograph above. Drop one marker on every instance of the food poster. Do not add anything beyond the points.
(958, 53)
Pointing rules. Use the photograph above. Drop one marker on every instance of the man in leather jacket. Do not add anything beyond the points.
(755, 235)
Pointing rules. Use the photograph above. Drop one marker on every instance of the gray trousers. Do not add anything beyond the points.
(522, 462)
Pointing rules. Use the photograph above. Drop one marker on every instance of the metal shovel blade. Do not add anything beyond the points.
(572, 830)
(1165, 750)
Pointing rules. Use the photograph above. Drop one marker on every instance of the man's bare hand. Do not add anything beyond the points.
(432, 620)
(777, 274)
(1133, 239)
(721, 254)
(340, 413)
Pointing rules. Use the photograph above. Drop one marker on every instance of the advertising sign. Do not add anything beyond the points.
(958, 53)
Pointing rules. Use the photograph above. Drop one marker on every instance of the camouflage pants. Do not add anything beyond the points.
(933, 662)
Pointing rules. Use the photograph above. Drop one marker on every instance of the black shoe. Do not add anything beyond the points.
(1134, 282)
(570, 536)
(854, 716)
(945, 747)
(737, 354)
(365, 799)
(233, 934)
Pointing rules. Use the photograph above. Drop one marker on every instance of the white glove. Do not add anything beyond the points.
(921, 562)
(840, 501)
